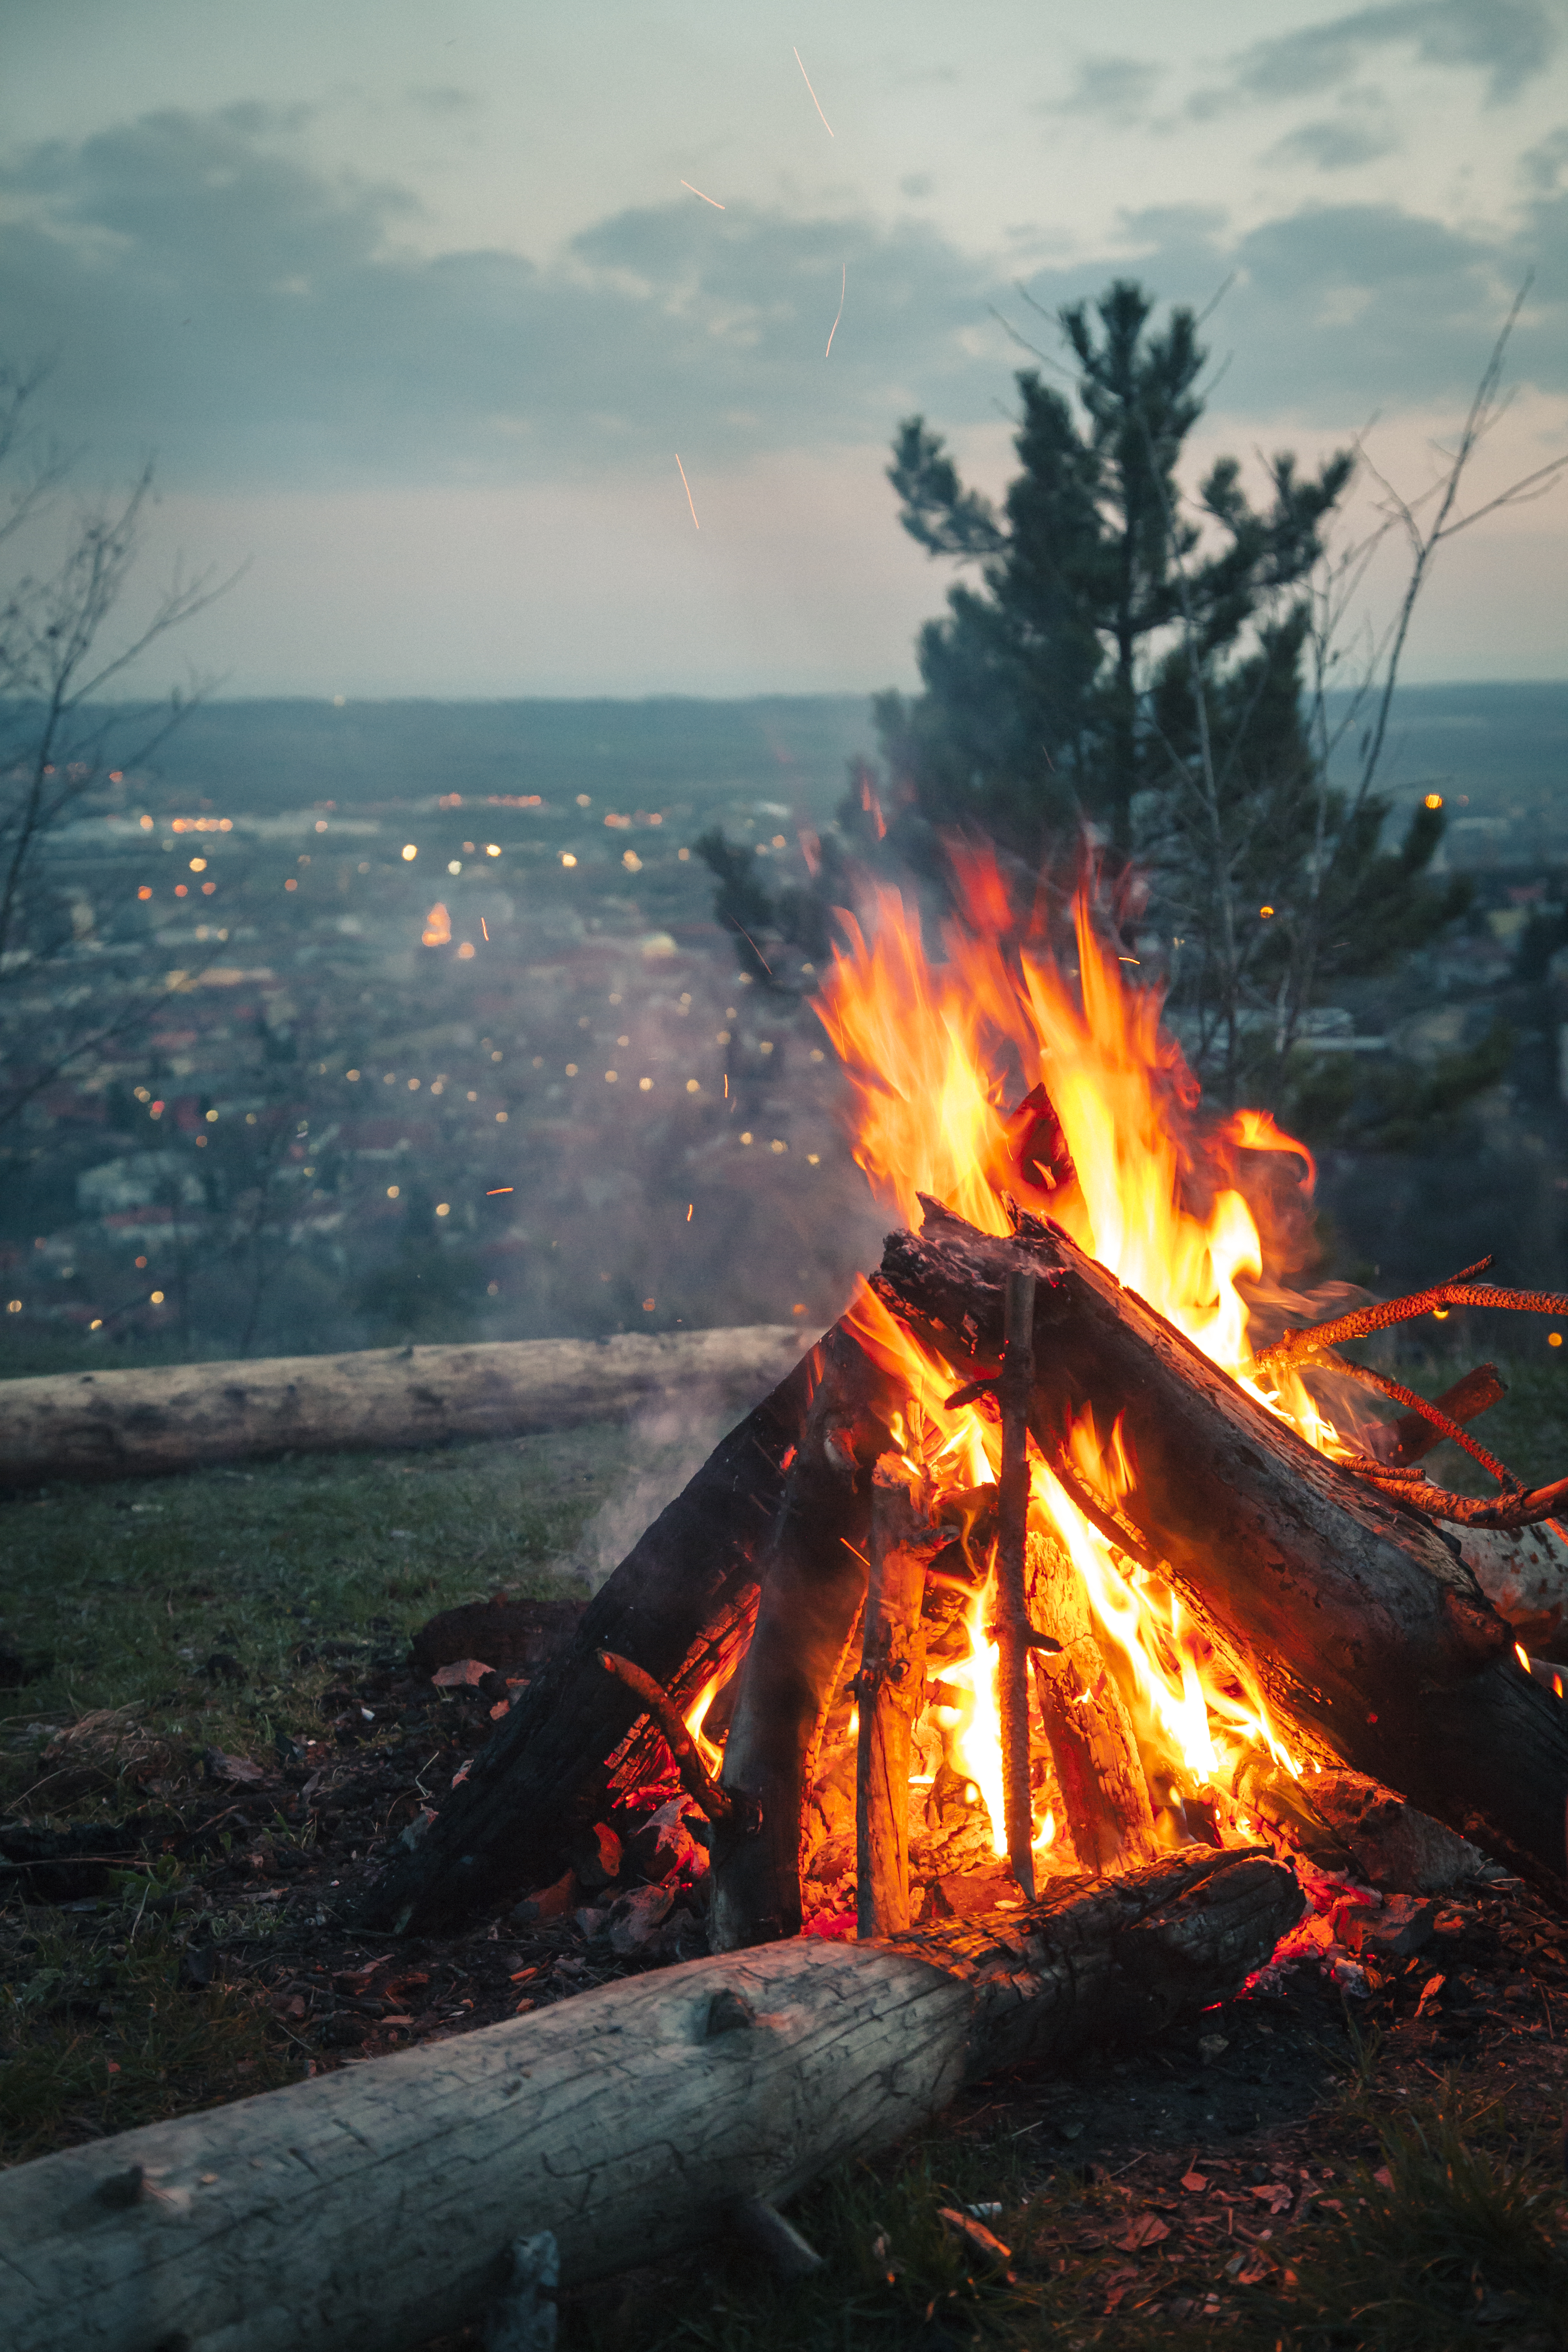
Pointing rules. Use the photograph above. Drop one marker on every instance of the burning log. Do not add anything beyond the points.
(375, 2208)
(679, 1607)
(889, 1687)
(147, 1424)
(1104, 1793)
(814, 1583)
(1363, 1627)
(1012, 1393)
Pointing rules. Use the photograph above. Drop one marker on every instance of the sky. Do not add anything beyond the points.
(416, 307)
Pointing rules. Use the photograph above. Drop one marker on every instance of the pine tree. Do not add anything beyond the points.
(1036, 708)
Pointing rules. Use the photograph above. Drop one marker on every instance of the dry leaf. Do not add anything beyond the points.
(1143, 2230)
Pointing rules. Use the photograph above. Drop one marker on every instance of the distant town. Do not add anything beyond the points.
(476, 1060)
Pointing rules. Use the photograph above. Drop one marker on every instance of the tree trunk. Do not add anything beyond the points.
(375, 2208)
(678, 1606)
(127, 1425)
(1361, 1623)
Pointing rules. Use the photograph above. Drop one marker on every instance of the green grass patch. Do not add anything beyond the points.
(100, 2031)
(121, 1596)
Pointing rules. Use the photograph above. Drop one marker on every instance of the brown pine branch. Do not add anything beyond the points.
(1430, 1413)
(719, 1804)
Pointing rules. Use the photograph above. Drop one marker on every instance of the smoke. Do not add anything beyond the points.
(667, 1444)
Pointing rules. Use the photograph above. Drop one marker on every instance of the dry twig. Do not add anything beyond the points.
(719, 1804)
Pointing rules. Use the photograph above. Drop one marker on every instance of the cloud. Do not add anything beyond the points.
(1511, 40)
(208, 293)
(1338, 310)
(1117, 89)
(262, 325)
(1335, 146)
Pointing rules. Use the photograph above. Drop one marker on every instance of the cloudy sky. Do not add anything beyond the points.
(416, 312)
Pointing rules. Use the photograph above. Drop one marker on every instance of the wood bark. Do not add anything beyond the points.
(1012, 1628)
(128, 1424)
(891, 1688)
(1104, 1794)
(376, 2207)
(679, 1606)
(1361, 1623)
(812, 1585)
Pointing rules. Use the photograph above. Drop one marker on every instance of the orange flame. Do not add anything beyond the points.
(438, 928)
(1106, 1142)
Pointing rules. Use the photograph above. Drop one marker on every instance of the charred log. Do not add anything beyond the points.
(679, 1606)
(1362, 1624)
(814, 1583)
(1104, 1793)
(891, 1686)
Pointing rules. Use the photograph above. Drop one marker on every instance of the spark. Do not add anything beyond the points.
(687, 487)
(689, 1207)
(484, 928)
(707, 200)
(843, 282)
(815, 99)
(496, 1189)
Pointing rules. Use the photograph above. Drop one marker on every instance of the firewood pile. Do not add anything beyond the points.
(1031, 1573)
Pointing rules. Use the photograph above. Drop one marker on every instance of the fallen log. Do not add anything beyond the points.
(1363, 1626)
(377, 2207)
(142, 1425)
(679, 1606)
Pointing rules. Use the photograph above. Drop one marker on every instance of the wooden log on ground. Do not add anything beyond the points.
(891, 1688)
(142, 1425)
(679, 1606)
(814, 1582)
(1104, 1794)
(376, 2207)
(1362, 1624)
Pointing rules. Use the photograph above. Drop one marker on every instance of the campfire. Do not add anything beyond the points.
(1075, 1542)
(1062, 1649)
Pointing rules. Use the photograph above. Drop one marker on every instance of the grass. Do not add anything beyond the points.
(123, 1602)
(100, 2031)
(1459, 2222)
(118, 1597)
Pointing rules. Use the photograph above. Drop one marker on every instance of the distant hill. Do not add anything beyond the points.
(1505, 746)
(1499, 751)
(282, 754)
